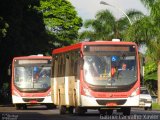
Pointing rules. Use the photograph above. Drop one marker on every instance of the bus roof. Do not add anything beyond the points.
(33, 57)
(79, 45)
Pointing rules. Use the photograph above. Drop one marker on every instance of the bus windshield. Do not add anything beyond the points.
(32, 77)
(110, 69)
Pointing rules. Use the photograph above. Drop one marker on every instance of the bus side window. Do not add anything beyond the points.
(67, 67)
(55, 67)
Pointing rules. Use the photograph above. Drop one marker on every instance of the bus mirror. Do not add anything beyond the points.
(55, 57)
(9, 70)
(81, 63)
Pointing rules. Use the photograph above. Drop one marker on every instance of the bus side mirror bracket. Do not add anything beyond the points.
(81, 63)
(9, 70)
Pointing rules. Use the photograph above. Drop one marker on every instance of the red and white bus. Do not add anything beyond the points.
(31, 77)
(103, 75)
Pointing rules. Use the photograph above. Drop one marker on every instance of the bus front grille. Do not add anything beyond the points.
(33, 99)
(105, 102)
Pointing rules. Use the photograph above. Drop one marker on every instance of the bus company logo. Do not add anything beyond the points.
(111, 95)
(7, 116)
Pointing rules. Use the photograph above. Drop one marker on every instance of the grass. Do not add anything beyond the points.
(155, 106)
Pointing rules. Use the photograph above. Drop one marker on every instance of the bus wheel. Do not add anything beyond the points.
(24, 107)
(80, 110)
(109, 112)
(18, 106)
(70, 110)
(62, 109)
(102, 111)
(126, 110)
(146, 108)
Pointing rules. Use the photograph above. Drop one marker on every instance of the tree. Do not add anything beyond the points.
(61, 19)
(146, 31)
(139, 31)
(105, 26)
(24, 33)
(154, 49)
(154, 45)
(3, 28)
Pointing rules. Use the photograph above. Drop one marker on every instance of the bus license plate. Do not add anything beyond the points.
(111, 104)
(33, 101)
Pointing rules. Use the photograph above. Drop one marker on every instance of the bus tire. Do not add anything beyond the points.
(18, 106)
(70, 110)
(80, 111)
(126, 111)
(102, 111)
(109, 112)
(24, 107)
(62, 109)
(21, 106)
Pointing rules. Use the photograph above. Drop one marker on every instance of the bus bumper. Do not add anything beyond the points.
(30, 100)
(87, 101)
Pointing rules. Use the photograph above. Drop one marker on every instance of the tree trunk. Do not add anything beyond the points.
(158, 82)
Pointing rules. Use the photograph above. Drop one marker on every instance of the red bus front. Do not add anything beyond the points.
(110, 76)
(31, 81)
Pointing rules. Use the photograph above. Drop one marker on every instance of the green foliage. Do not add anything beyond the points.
(148, 3)
(154, 43)
(90, 35)
(60, 18)
(5, 86)
(105, 26)
(153, 50)
(151, 76)
(146, 30)
(150, 67)
(23, 32)
(150, 71)
(101, 27)
(141, 31)
(27, 27)
(3, 27)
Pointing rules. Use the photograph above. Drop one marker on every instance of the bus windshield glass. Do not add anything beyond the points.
(108, 67)
(32, 77)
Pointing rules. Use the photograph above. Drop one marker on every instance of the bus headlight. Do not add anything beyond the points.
(87, 92)
(49, 94)
(135, 92)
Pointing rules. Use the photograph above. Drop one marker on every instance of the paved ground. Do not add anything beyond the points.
(41, 113)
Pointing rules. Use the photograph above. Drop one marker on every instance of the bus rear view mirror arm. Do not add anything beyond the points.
(81, 63)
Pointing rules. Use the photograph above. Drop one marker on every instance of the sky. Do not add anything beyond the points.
(87, 9)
